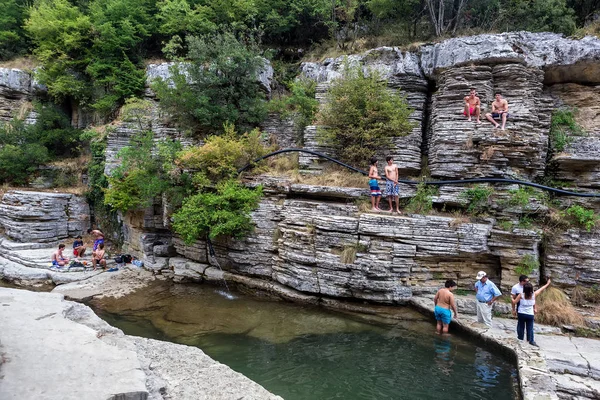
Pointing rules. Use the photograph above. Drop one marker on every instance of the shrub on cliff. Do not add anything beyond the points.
(224, 212)
(24, 147)
(361, 116)
(219, 86)
(221, 156)
(146, 173)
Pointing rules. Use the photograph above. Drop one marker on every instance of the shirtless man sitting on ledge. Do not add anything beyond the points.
(499, 110)
(472, 106)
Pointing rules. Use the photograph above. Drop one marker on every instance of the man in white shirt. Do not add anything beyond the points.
(518, 288)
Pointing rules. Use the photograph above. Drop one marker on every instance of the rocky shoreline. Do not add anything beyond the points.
(57, 349)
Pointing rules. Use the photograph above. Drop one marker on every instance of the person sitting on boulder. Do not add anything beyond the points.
(499, 110)
(98, 237)
(98, 257)
(58, 259)
(472, 106)
(78, 247)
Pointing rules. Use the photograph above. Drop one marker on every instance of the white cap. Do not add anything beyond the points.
(481, 274)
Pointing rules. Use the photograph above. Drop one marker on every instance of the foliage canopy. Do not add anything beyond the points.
(219, 85)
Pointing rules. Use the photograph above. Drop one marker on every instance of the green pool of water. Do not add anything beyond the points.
(301, 352)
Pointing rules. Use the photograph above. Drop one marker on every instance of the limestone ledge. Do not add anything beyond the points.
(97, 361)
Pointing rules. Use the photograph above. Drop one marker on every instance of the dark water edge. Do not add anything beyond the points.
(308, 352)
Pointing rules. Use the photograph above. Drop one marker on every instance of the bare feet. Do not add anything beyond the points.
(478, 121)
(375, 209)
(399, 212)
(502, 128)
(469, 119)
(497, 126)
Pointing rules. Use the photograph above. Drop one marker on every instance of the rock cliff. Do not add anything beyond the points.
(315, 238)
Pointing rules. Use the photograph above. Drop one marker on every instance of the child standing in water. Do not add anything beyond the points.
(374, 185)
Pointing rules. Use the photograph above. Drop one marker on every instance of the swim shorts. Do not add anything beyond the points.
(374, 186)
(471, 111)
(497, 115)
(55, 263)
(97, 243)
(391, 189)
(442, 314)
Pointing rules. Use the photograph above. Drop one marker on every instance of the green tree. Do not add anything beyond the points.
(361, 115)
(219, 86)
(13, 40)
(537, 16)
(93, 58)
(61, 34)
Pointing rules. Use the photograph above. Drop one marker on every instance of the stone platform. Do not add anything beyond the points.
(56, 349)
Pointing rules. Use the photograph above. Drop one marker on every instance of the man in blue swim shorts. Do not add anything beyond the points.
(391, 185)
(374, 185)
(444, 305)
(98, 238)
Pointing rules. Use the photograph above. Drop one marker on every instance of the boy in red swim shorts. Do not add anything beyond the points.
(472, 106)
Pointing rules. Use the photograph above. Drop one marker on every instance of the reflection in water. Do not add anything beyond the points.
(443, 356)
(301, 352)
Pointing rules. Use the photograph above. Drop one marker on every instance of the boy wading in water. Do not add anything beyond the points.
(391, 185)
(373, 185)
(444, 305)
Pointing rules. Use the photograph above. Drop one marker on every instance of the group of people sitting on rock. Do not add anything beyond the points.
(522, 299)
(98, 253)
(499, 109)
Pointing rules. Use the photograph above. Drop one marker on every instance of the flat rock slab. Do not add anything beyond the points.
(107, 284)
(48, 356)
(57, 349)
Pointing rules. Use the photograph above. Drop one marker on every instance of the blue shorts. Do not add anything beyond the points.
(374, 186)
(97, 243)
(391, 189)
(442, 314)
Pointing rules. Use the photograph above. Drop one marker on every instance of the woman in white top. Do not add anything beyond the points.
(527, 310)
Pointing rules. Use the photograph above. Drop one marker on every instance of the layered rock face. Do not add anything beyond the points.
(15, 91)
(461, 149)
(42, 216)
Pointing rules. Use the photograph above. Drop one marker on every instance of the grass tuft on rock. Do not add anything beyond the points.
(554, 308)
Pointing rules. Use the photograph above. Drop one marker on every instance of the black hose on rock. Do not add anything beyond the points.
(436, 183)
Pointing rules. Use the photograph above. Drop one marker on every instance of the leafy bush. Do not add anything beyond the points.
(25, 147)
(581, 216)
(145, 174)
(421, 202)
(562, 129)
(299, 104)
(477, 197)
(361, 115)
(219, 86)
(225, 212)
(221, 156)
(527, 265)
(19, 163)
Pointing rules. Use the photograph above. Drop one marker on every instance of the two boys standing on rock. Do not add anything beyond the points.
(499, 109)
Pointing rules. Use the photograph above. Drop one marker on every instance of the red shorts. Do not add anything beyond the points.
(471, 111)
(75, 252)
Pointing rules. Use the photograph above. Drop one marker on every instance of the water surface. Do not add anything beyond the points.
(306, 352)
